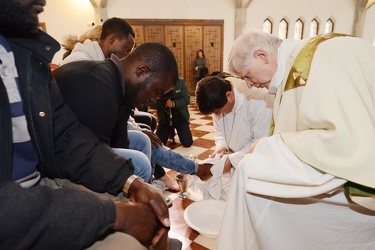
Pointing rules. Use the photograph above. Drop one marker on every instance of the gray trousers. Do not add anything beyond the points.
(114, 241)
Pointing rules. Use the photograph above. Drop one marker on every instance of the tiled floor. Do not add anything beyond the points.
(202, 130)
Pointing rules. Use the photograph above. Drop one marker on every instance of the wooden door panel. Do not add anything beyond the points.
(184, 37)
(174, 40)
(193, 43)
(154, 33)
(139, 34)
(212, 40)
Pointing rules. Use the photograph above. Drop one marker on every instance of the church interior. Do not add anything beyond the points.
(186, 26)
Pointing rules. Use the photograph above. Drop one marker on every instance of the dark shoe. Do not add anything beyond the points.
(174, 244)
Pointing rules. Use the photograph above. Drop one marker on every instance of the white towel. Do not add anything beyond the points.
(217, 187)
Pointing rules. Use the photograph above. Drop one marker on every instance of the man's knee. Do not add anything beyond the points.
(117, 241)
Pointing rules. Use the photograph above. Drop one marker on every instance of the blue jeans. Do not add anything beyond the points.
(142, 166)
(162, 156)
(168, 158)
(139, 141)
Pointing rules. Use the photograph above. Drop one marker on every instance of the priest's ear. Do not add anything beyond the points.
(261, 54)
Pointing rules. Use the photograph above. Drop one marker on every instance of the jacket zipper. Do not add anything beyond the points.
(29, 82)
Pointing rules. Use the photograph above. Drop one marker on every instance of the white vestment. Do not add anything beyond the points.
(277, 199)
(249, 120)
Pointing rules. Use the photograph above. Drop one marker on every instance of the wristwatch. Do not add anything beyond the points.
(127, 184)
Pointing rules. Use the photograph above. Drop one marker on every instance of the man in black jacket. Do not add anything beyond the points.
(103, 93)
(40, 137)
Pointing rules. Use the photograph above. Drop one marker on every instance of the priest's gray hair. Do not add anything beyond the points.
(241, 54)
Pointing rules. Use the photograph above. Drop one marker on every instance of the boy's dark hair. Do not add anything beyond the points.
(118, 26)
(210, 94)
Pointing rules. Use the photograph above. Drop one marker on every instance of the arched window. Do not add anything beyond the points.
(267, 26)
(298, 29)
(283, 29)
(329, 26)
(314, 27)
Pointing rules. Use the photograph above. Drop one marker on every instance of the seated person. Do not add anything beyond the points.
(70, 41)
(116, 36)
(99, 102)
(41, 137)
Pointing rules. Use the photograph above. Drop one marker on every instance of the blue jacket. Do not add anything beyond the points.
(35, 217)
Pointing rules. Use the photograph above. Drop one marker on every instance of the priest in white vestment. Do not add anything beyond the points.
(288, 192)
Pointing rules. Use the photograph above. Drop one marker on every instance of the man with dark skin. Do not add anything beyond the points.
(54, 144)
(116, 37)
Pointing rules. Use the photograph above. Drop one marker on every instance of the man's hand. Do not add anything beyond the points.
(152, 197)
(155, 140)
(137, 220)
(169, 103)
(219, 151)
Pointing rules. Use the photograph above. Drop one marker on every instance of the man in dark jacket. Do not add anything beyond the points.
(103, 93)
(40, 137)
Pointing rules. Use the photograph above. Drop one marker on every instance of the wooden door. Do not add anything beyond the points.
(193, 43)
(174, 40)
(184, 38)
(212, 47)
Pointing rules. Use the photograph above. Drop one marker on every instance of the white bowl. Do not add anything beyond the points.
(205, 216)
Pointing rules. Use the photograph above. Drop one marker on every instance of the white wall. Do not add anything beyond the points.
(64, 17)
(340, 11)
(369, 29)
(73, 16)
(179, 9)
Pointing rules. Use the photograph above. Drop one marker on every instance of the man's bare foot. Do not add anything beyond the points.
(170, 183)
(204, 172)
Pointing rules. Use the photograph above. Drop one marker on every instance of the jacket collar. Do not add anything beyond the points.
(120, 67)
(42, 46)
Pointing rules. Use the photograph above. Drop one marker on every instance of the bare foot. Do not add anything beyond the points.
(170, 183)
(204, 172)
